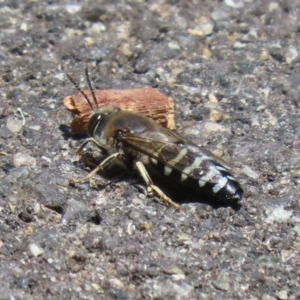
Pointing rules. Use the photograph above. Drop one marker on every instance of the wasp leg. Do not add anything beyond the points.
(101, 166)
(82, 155)
(88, 162)
(92, 140)
(151, 187)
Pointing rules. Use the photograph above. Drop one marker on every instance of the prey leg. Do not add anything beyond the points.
(100, 167)
(151, 187)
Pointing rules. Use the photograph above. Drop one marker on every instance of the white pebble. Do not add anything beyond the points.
(23, 159)
(249, 172)
(14, 125)
(34, 250)
(278, 214)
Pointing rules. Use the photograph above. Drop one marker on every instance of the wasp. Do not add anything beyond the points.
(141, 144)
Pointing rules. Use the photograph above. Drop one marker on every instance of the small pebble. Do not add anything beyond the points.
(278, 214)
(134, 214)
(97, 28)
(202, 30)
(72, 8)
(23, 159)
(24, 26)
(267, 297)
(222, 283)
(215, 116)
(173, 45)
(282, 295)
(234, 3)
(273, 6)
(219, 14)
(178, 276)
(89, 42)
(239, 45)
(73, 208)
(14, 125)
(116, 283)
(249, 172)
(172, 270)
(291, 54)
(34, 250)
(214, 127)
(297, 229)
(212, 98)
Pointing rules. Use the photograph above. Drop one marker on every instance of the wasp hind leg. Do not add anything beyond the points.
(153, 188)
(100, 167)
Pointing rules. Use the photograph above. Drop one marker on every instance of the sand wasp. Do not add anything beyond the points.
(140, 144)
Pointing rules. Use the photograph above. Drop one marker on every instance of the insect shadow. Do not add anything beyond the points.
(116, 174)
(184, 195)
(67, 132)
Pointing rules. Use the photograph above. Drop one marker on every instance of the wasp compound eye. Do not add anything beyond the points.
(94, 122)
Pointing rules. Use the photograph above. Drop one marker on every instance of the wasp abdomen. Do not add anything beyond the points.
(194, 167)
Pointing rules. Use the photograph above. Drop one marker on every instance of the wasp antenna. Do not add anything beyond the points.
(80, 90)
(90, 85)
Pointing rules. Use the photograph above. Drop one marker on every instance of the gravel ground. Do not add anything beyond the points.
(232, 68)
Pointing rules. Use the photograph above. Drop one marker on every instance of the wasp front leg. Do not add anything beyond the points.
(151, 187)
(100, 167)
(87, 162)
(83, 156)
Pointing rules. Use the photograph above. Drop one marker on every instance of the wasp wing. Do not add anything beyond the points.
(171, 150)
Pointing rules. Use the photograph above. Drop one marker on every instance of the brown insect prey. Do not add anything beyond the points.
(148, 101)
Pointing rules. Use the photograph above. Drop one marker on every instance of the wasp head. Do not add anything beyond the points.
(99, 120)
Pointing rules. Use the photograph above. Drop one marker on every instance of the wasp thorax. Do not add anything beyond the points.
(129, 122)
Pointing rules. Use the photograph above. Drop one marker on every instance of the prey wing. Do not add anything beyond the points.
(175, 154)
